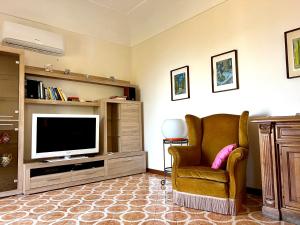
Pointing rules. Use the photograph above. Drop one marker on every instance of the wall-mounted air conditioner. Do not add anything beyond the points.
(30, 38)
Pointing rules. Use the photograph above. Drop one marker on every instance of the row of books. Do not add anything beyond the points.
(54, 93)
(37, 90)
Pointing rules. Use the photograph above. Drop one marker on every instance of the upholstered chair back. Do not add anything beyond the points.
(218, 131)
(210, 134)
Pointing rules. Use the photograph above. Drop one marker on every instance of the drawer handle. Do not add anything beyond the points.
(128, 160)
(88, 174)
(54, 179)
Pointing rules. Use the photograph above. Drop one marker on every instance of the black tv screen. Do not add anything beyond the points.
(61, 136)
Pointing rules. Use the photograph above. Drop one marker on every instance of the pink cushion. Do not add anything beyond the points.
(222, 156)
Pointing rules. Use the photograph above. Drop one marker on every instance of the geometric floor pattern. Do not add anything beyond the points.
(132, 200)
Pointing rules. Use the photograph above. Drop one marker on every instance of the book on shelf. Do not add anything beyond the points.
(31, 89)
(36, 89)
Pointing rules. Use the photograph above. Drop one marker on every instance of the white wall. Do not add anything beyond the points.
(255, 28)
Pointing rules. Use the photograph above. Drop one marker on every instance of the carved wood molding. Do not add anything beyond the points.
(265, 128)
(267, 168)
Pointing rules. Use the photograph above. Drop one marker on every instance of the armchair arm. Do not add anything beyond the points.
(236, 167)
(185, 155)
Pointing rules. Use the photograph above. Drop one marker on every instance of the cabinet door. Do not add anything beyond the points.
(131, 112)
(130, 143)
(9, 86)
(9, 115)
(130, 128)
(290, 172)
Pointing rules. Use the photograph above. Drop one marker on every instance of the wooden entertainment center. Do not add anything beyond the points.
(120, 150)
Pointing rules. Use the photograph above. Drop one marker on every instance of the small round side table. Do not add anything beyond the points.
(171, 141)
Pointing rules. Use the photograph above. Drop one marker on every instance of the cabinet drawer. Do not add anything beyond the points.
(88, 173)
(127, 165)
(127, 128)
(59, 178)
(130, 112)
(130, 143)
(288, 131)
(47, 180)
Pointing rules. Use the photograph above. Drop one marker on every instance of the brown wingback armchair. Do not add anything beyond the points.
(195, 184)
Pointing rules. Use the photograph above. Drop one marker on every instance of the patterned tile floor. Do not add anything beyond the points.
(132, 200)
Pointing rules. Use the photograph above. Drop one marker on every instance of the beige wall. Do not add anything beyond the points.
(83, 54)
(255, 28)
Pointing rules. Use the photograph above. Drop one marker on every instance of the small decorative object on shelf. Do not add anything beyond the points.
(48, 67)
(4, 138)
(73, 99)
(118, 97)
(67, 71)
(5, 159)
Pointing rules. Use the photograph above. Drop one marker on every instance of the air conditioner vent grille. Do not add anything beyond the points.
(20, 36)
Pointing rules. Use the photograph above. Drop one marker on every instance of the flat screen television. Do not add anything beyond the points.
(57, 135)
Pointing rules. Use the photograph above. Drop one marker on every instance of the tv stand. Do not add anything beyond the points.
(66, 158)
(45, 176)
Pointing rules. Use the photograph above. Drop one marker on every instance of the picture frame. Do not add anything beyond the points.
(180, 84)
(292, 52)
(224, 71)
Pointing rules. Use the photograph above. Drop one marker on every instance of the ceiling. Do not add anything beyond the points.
(126, 22)
(124, 7)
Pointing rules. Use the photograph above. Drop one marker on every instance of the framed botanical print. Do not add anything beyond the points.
(180, 86)
(292, 52)
(224, 71)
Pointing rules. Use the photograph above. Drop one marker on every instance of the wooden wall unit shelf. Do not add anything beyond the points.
(279, 139)
(125, 158)
(56, 102)
(85, 78)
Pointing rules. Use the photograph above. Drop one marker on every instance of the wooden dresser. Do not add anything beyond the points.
(279, 139)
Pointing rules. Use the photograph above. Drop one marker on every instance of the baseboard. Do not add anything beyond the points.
(249, 190)
(158, 172)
